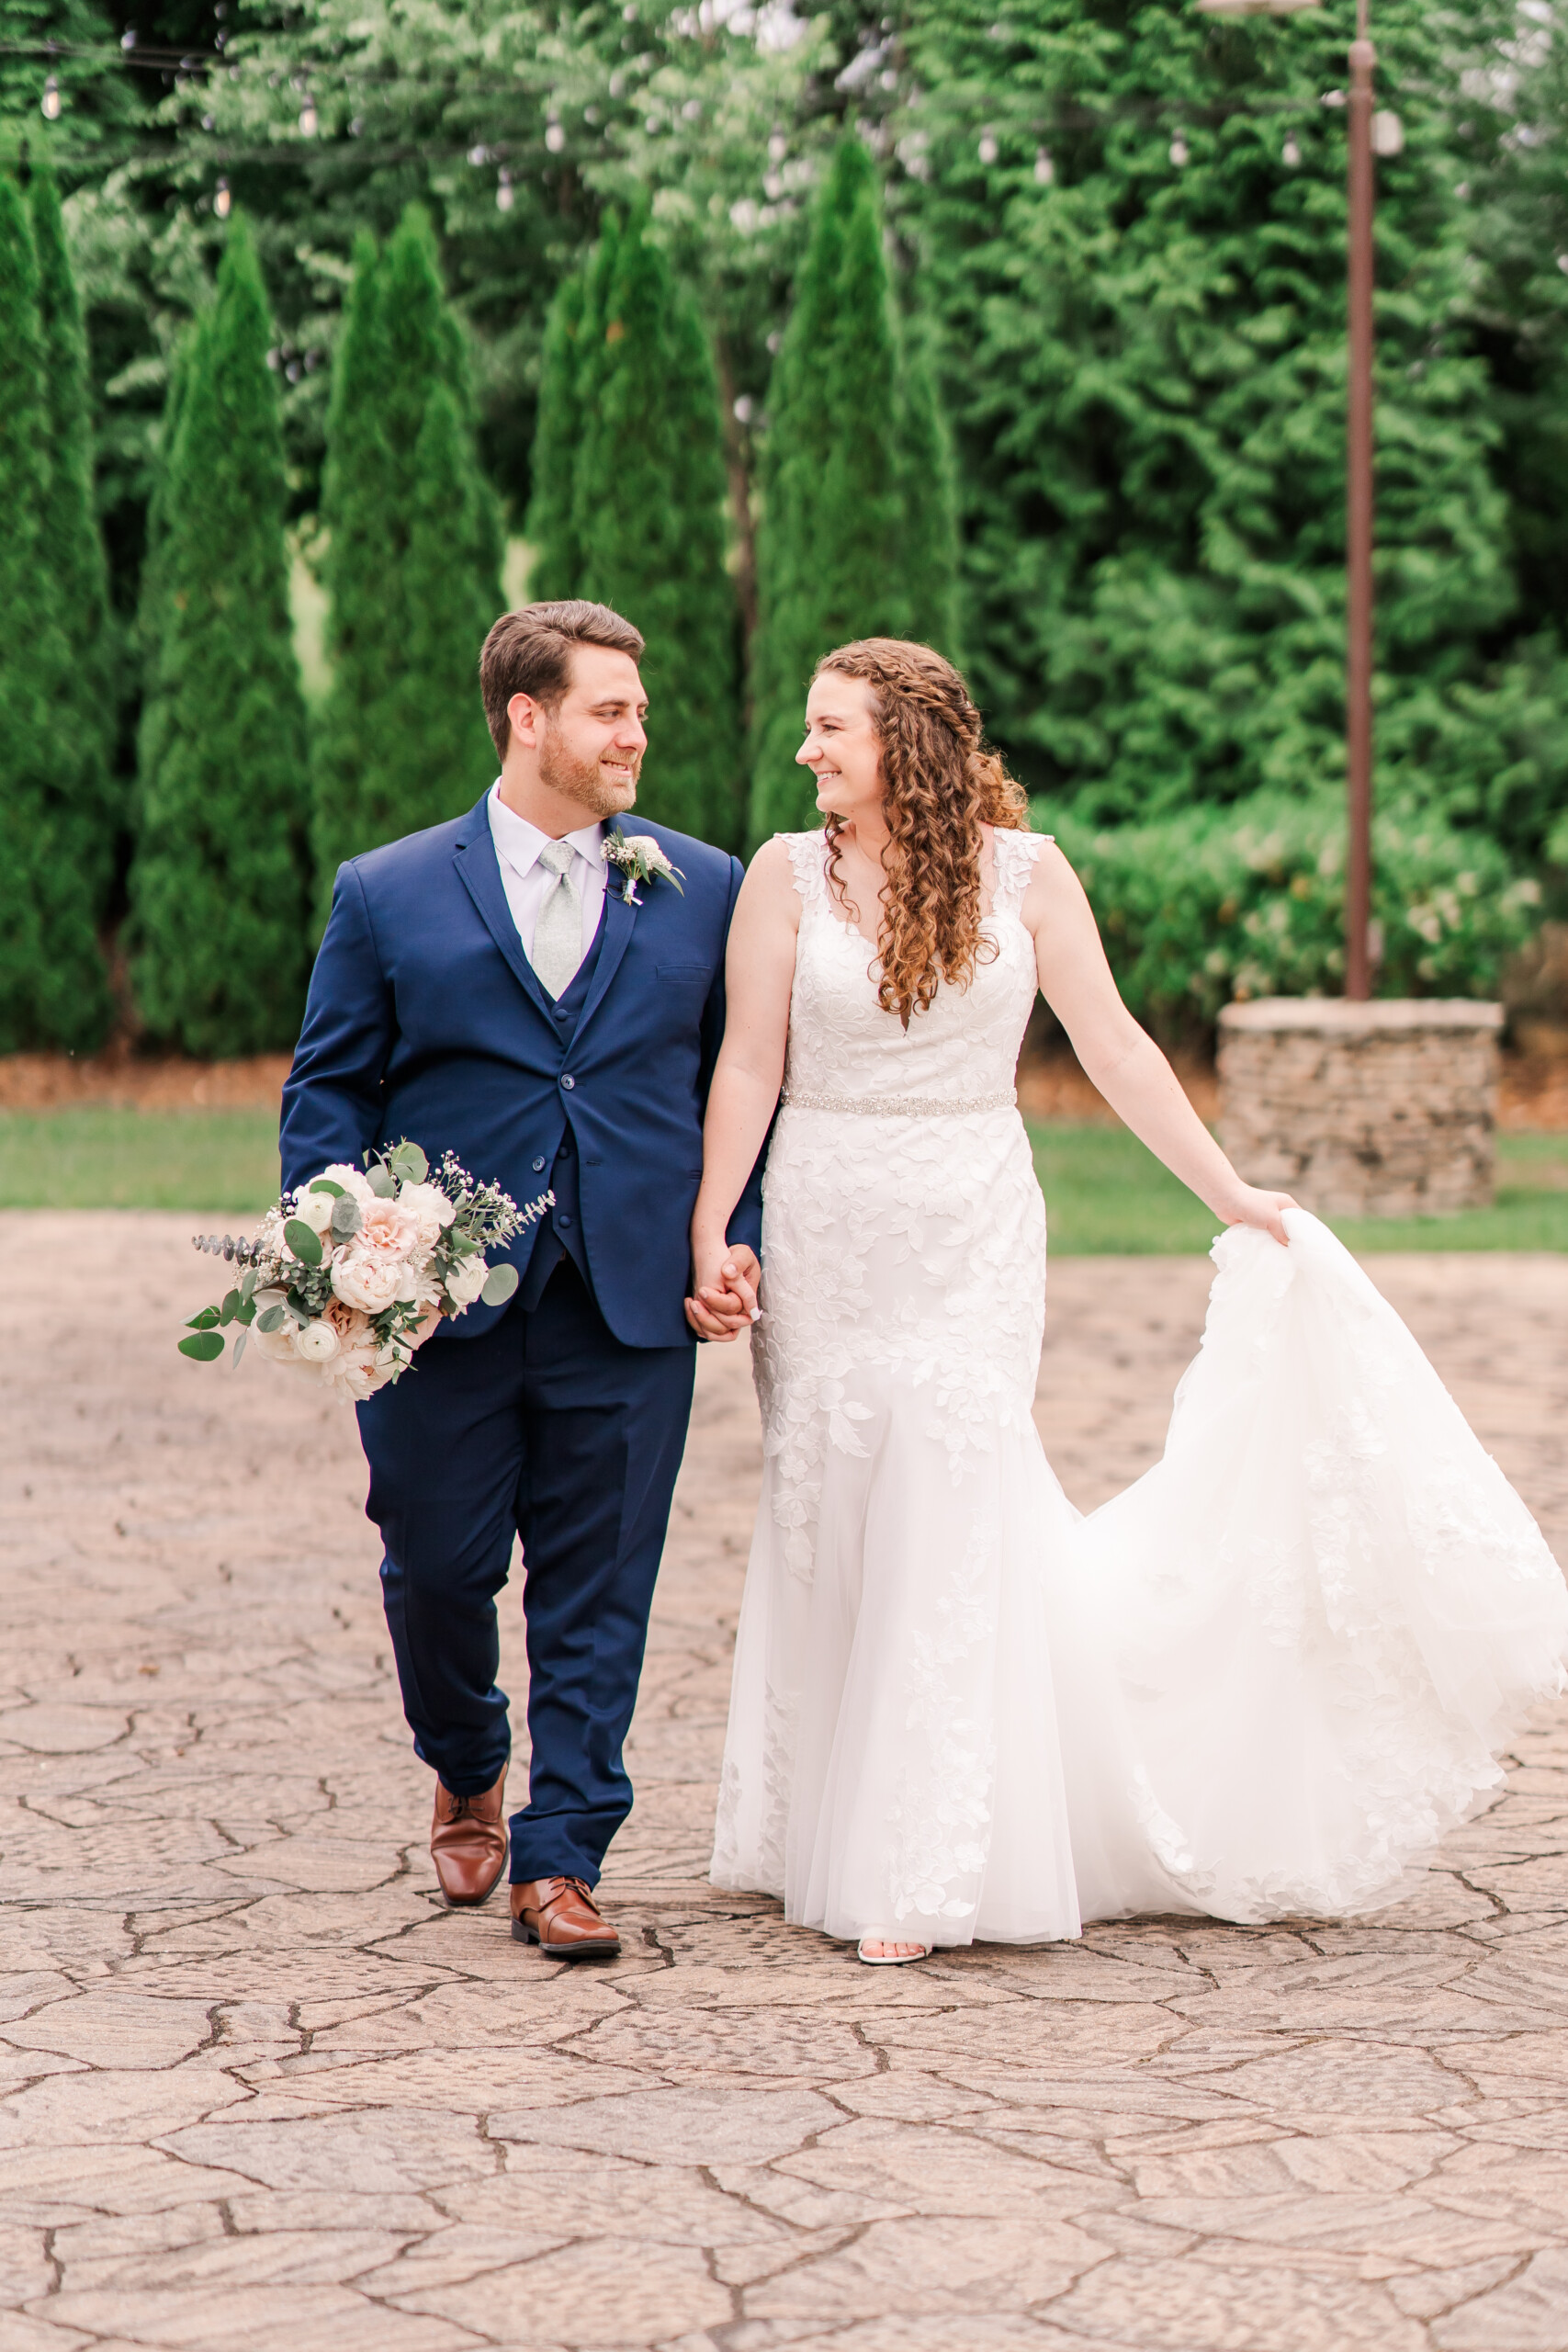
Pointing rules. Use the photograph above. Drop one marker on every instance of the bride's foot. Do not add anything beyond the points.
(877, 1953)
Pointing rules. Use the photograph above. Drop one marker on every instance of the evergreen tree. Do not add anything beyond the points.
(855, 485)
(931, 507)
(557, 564)
(218, 884)
(53, 989)
(650, 521)
(402, 742)
(593, 352)
(1134, 227)
(791, 633)
(90, 692)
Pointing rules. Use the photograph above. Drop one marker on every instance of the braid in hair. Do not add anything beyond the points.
(942, 785)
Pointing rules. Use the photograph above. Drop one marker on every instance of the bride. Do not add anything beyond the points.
(1264, 1681)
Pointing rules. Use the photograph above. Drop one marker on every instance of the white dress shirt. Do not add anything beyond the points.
(526, 882)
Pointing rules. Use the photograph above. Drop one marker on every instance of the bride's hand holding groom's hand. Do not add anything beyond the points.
(725, 1276)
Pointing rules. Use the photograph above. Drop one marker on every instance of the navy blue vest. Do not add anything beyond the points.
(561, 1234)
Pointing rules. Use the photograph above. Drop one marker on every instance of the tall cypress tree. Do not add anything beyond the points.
(218, 884)
(558, 560)
(86, 708)
(53, 989)
(929, 502)
(650, 521)
(402, 742)
(855, 491)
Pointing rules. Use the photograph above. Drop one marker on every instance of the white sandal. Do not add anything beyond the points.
(889, 1958)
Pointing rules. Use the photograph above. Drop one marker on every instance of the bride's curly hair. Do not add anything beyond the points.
(942, 785)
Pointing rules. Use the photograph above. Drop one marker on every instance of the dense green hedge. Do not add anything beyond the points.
(1249, 901)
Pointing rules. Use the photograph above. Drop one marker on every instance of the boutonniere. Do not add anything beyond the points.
(640, 859)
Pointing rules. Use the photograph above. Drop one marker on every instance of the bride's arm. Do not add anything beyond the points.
(1122, 1059)
(759, 973)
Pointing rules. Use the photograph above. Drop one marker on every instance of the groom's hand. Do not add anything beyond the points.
(725, 1304)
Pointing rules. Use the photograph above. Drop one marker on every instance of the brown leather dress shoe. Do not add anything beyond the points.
(467, 1842)
(561, 1917)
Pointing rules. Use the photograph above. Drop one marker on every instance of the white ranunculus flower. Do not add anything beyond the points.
(365, 1282)
(650, 849)
(465, 1282)
(315, 1209)
(317, 1343)
(277, 1346)
(353, 1179)
(430, 1208)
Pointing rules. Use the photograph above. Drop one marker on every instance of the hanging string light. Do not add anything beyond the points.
(222, 201)
(49, 102)
(989, 150)
(1180, 154)
(1291, 154)
(307, 119)
(505, 194)
(1045, 169)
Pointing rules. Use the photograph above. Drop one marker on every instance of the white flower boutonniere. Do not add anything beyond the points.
(640, 859)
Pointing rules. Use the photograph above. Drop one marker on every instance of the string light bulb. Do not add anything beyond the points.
(1290, 156)
(989, 150)
(1045, 169)
(308, 122)
(505, 194)
(1180, 154)
(222, 201)
(49, 102)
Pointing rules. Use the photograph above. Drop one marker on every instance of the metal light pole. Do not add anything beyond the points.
(1358, 527)
(1358, 481)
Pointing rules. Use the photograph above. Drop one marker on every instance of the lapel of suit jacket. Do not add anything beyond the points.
(619, 918)
(478, 865)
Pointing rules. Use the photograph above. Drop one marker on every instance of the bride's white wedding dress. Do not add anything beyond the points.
(1266, 1679)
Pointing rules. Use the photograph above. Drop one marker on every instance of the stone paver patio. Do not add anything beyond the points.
(259, 2091)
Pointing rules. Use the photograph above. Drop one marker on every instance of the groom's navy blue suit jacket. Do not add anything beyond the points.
(425, 1019)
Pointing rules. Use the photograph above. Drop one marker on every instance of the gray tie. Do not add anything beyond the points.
(558, 934)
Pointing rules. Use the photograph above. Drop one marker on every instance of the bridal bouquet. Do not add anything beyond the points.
(348, 1276)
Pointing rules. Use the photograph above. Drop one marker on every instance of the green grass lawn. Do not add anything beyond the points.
(1105, 1194)
(96, 1157)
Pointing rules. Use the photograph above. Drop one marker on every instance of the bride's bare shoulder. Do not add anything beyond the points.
(1053, 885)
(775, 858)
(771, 888)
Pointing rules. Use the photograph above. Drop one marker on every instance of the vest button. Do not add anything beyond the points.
(538, 1163)
(569, 1083)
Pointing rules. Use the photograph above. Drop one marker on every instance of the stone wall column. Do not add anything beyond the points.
(1374, 1110)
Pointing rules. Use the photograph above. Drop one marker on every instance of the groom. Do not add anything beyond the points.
(495, 988)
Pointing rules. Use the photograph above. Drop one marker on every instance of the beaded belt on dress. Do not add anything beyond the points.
(900, 1106)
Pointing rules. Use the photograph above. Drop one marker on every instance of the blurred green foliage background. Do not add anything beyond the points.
(1021, 327)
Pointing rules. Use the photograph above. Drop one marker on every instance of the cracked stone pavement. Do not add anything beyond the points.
(260, 2091)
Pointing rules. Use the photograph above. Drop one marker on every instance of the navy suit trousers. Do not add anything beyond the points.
(546, 1427)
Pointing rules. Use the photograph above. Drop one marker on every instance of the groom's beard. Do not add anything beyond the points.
(584, 780)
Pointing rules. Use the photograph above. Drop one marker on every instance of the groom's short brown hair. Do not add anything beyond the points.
(529, 652)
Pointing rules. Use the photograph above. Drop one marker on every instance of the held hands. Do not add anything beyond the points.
(724, 1279)
(1248, 1205)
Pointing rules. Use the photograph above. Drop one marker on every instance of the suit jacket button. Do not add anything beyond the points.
(538, 1163)
(569, 1083)
(563, 1219)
